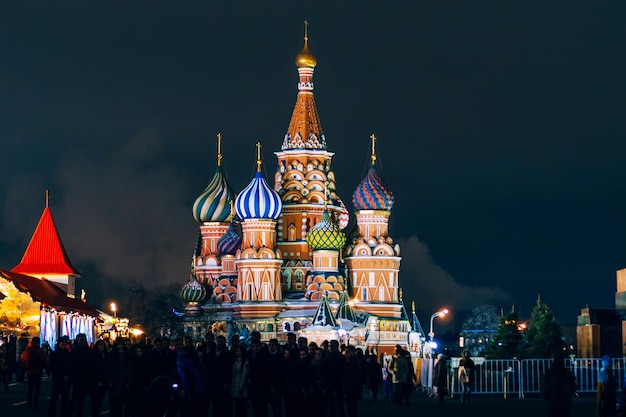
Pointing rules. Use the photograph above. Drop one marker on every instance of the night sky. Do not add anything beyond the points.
(500, 125)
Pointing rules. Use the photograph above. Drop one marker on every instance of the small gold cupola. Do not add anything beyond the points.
(305, 58)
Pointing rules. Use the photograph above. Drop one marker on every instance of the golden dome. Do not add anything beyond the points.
(305, 58)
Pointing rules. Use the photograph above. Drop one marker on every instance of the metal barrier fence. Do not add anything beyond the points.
(513, 377)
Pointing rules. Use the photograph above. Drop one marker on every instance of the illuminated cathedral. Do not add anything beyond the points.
(277, 258)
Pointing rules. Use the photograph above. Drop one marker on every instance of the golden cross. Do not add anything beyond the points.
(219, 149)
(373, 137)
(258, 156)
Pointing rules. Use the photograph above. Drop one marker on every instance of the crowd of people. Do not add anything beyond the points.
(183, 377)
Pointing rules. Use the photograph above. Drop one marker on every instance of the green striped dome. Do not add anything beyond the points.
(193, 291)
(326, 235)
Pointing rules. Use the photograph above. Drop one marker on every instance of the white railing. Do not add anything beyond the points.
(513, 377)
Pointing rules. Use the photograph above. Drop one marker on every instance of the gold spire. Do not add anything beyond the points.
(373, 157)
(400, 293)
(325, 195)
(258, 157)
(305, 58)
(413, 306)
(219, 149)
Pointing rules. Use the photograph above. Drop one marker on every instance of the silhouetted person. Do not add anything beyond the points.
(336, 364)
(34, 363)
(6, 363)
(466, 374)
(59, 366)
(557, 388)
(222, 369)
(606, 392)
(352, 377)
(83, 370)
(239, 388)
(120, 374)
(399, 370)
(276, 372)
(259, 390)
(440, 378)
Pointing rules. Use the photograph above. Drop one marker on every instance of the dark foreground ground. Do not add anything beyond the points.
(13, 404)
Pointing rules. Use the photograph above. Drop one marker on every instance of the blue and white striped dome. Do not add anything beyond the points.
(258, 201)
(229, 242)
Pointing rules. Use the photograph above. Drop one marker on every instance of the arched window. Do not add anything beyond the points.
(287, 326)
(291, 232)
(296, 326)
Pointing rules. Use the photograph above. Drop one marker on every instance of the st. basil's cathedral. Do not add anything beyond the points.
(277, 259)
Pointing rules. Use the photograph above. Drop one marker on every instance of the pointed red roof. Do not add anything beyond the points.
(45, 253)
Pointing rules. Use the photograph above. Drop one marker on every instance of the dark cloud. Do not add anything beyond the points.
(500, 132)
(432, 288)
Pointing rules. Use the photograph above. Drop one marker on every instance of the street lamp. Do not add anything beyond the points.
(440, 313)
(114, 310)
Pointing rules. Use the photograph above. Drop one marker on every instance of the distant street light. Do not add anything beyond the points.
(440, 313)
(114, 310)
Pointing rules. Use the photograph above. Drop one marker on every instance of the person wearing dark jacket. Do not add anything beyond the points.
(189, 374)
(259, 390)
(334, 396)
(318, 383)
(558, 387)
(101, 376)
(352, 386)
(83, 371)
(140, 376)
(373, 375)
(222, 369)
(34, 362)
(276, 368)
(59, 366)
(119, 379)
(440, 378)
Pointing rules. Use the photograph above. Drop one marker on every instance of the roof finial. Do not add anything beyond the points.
(400, 294)
(258, 157)
(47, 198)
(373, 157)
(305, 58)
(192, 271)
(413, 306)
(219, 149)
(326, 195)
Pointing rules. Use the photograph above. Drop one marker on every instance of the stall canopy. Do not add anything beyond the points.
(60, 315)
(48, 294)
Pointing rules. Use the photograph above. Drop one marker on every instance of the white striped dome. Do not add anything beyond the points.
(258, 201)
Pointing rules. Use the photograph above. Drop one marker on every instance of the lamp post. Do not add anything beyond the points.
(436, 314)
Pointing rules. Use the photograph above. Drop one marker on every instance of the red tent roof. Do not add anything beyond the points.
(45, 253)
(46, 292)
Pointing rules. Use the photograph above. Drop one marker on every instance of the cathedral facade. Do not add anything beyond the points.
(277, 258)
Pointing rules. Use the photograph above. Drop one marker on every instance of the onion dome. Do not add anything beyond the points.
(229, 242)
(305, 58)
(193, 291)
(214, 204)
(258, 200)
(373, 193)
(325, 235)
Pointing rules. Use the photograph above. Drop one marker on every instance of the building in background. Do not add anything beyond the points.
(602, 332)
(277, 258)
